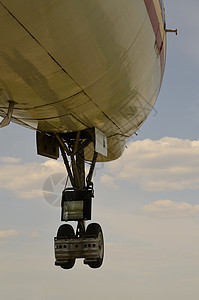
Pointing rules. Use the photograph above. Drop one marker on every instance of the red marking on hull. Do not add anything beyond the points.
(156, 28)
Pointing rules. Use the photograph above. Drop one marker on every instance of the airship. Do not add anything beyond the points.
(84, 75)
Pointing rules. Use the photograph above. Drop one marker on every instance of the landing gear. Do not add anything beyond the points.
(66, 231)
(69, 247)
(87, 243)
(95, 230)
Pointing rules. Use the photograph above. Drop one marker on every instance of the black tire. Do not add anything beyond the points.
(69, 265)
(66, 231)
(95, 230)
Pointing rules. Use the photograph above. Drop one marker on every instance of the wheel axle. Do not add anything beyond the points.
(68, 247)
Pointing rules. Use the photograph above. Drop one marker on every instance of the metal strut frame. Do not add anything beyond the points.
(73, 145)
(86, 242)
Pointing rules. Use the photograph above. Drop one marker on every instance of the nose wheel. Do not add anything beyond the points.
(69, 247)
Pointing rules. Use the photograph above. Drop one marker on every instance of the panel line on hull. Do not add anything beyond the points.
(38, 42)
(32, 36)
(121, 57)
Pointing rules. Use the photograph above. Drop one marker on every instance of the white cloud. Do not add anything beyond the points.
(8, 233)
(168, 209)
(11, 233)
(10, 160)
(108, 181)
(165, 164)
(26, 180)
(33, 234)
(30, 194)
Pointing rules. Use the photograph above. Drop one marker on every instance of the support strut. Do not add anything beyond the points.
(87, 242)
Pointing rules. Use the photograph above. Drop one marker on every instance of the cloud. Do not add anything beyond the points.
(26, 180)
(170, 209)
(108, 181)
(11, 233)
(8, 233)
(165, 164)
(33, 234)
(10, 160)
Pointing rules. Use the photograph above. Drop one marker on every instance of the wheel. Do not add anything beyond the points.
(68, 265)
(66, 231)
(95, 230)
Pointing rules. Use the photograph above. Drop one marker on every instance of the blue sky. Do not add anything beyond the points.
(150, 216)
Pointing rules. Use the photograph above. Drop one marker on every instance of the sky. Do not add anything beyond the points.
(147, 201)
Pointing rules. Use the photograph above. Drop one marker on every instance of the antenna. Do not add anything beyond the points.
(172, 30)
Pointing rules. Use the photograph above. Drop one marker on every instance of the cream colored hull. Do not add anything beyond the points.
(73, 64)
